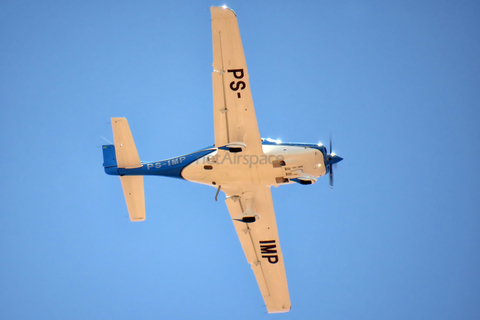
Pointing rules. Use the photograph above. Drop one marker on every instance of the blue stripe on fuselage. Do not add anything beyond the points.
(169, 167)
(173, 167)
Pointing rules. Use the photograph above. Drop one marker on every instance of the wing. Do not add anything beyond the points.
(234, 115)
(260, 243)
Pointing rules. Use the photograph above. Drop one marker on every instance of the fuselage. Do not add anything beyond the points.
(280, 163)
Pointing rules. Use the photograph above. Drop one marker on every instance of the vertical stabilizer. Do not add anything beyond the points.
(125, 150)
(109, 158)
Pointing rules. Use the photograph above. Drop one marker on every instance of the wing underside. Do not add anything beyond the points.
(234, 114)
(236, 126)
(261, 244)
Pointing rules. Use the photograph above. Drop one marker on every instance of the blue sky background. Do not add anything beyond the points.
(397, 83)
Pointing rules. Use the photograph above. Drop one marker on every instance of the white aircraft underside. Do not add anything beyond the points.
(274, 166)
(240, 164)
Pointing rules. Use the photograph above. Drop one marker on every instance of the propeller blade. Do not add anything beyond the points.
(330, 144)
(331, 177)
(331, 162)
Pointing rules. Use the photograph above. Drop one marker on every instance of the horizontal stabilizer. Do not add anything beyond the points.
(125, 150)
(134, 196)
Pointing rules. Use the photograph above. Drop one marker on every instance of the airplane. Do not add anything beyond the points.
(240, 163)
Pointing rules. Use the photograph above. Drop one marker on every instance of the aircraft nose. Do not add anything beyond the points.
(335, 159)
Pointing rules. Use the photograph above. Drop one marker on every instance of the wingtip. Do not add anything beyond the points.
(224, 7)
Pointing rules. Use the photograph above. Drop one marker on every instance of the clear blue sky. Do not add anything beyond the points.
(397, 83)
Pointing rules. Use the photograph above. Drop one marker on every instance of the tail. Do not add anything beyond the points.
(124, 155)
(109, 157)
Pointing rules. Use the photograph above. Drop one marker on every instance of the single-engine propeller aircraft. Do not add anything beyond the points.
(240, 163)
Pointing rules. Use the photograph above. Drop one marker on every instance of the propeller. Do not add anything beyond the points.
(332, 161)
(330, 177)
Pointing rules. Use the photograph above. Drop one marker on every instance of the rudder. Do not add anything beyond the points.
(109, 158)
